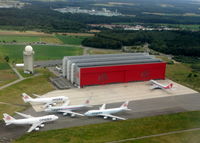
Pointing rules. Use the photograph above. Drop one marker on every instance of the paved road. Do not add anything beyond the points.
(140, 108)
(14, 82)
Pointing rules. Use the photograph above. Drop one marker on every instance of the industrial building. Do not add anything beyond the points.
(112, 68)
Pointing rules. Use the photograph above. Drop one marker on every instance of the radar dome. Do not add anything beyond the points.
(28, 48)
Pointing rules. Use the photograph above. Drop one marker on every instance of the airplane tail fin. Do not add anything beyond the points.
(169, 86)
(102, 107)
(125, 105)
(26, 97)
(7, 118)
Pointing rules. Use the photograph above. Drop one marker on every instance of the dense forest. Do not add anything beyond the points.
(39, 15)
(170, 42)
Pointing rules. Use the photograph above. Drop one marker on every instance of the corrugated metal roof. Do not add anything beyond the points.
(101, 59)
(124, 62)
(102, 55)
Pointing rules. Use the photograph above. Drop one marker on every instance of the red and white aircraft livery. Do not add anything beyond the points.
(66, 109)
(157, 85)
(107, 112)
(36, 122)
(44, 100)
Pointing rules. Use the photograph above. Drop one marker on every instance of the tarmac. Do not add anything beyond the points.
(114, 93)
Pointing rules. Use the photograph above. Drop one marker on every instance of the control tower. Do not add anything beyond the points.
(28, 59)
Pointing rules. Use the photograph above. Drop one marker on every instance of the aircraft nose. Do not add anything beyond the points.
(55, 117)
(86, 113)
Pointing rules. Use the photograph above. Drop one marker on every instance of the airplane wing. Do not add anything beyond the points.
(36, 95)
(24, 115)
(70, 112)
(35, 125)
(47, 104)
(112, 116)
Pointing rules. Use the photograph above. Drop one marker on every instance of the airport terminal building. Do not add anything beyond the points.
(112, 68)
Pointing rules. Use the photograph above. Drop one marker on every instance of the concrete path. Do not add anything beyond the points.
(14, 82)
(17, 73)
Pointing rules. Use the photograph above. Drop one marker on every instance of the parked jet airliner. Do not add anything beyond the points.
(66, 109)
(36, 122)
(44, 100)
(157, 85)
(107, 112)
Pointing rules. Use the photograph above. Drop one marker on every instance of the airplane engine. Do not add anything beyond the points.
(64, 114)
(105, 117)
(113, 119)
(54, 104)
(49, 106)
(37, 129)
(72, 115)
(42, 125)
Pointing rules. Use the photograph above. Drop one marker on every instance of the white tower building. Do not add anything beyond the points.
(28, 59)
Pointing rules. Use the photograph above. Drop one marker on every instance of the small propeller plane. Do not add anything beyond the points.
(35, 122)
(107, 112)
(157, 85)
(66, 109)
(48, 101)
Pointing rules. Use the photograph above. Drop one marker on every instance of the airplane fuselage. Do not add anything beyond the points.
(103, 111)
(48, 99)
(69, 108)
(33, 120)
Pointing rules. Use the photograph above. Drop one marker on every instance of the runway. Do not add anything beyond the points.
(140, 108)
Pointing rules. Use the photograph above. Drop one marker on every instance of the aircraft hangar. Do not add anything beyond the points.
(112, 68)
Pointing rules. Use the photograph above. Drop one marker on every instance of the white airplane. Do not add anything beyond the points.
(157, 85)
(107, 112)
(36, 122)
(66, 109)
(45, 100)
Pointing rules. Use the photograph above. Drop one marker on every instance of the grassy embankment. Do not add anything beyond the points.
(183, 74)
(28, 38)
(11, 95)
(111, 131)
(6, 73)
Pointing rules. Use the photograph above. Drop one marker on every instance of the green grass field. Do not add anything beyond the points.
(6, 73)
(71, 39)
(27, 39)
(111, 131)
(180, 72)
(4, 66)
(38, 85)
(188, 137)
(42, 52)
(19, 38)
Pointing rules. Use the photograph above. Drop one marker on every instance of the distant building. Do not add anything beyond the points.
(28, 59)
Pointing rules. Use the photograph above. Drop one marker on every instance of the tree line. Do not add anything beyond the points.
(184, 43)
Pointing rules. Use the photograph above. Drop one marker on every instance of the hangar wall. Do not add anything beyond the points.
(121, 73)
